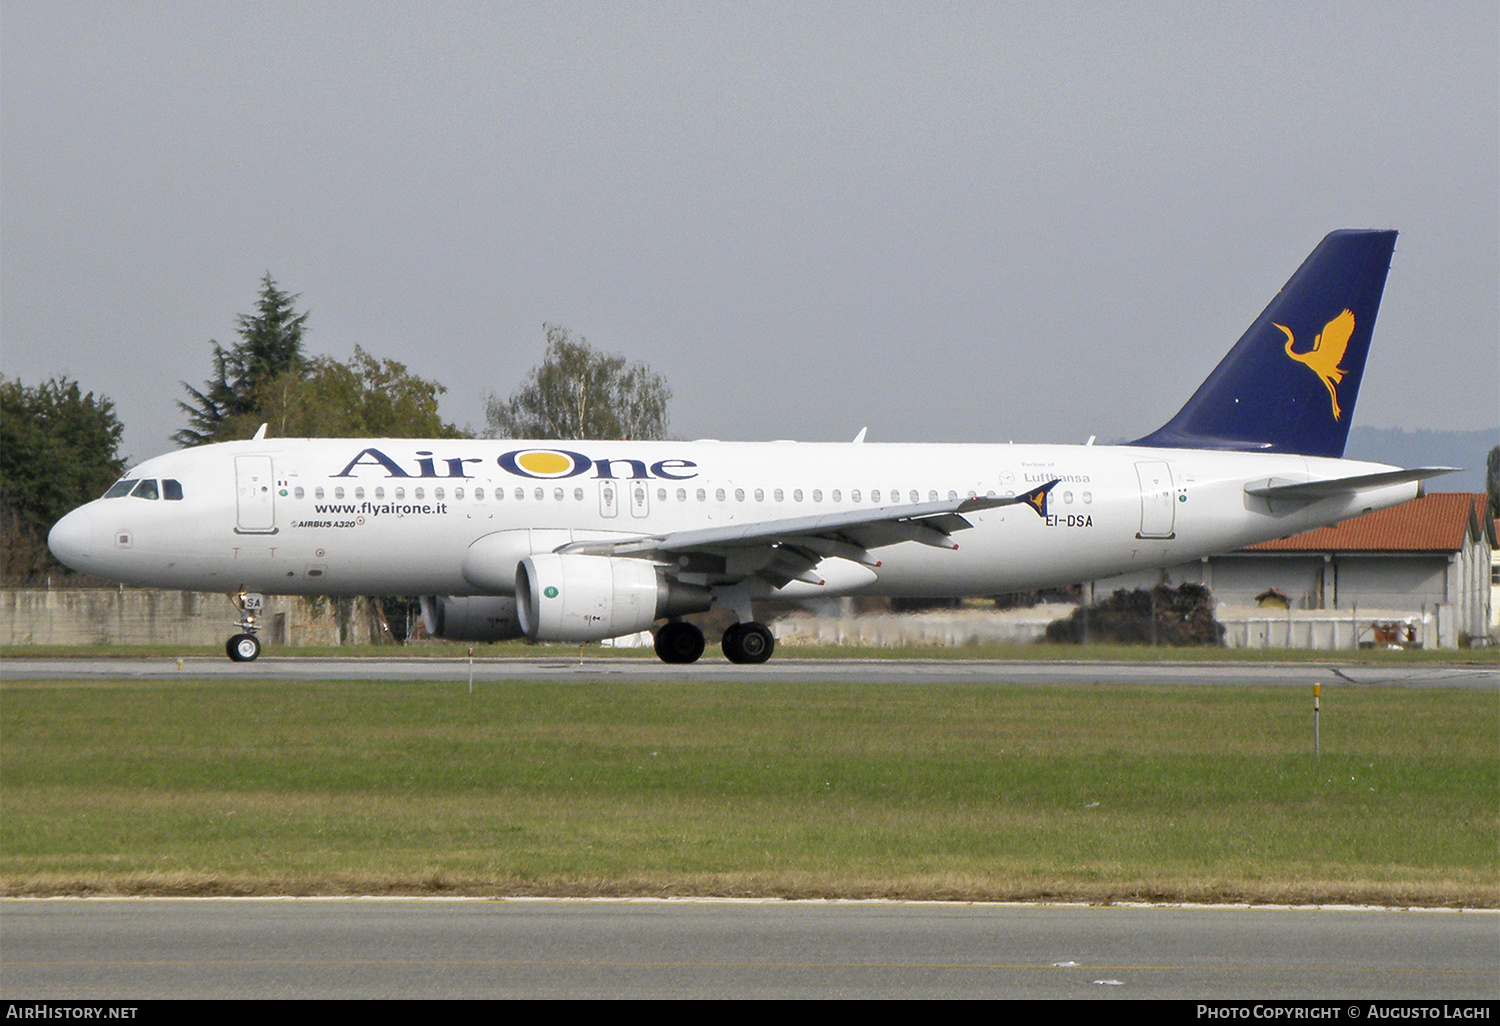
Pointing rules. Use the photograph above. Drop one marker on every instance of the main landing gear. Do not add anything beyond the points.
(245, 647)
(681, 642)
(748, 642)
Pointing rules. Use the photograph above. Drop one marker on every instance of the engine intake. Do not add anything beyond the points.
(590, 598)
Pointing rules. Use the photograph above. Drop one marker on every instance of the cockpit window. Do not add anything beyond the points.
(146, 490)
(119, 488)
(171, 490)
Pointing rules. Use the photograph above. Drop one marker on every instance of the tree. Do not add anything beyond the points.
(1163, 615)
(270, 346)
(59, 448)
(365, 397)
(577, 392)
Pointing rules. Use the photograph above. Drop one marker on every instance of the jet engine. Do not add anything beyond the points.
(470, 618)
(590, 598)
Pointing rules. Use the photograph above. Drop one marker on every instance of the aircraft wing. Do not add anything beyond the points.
(788, 549)
(1310, 491)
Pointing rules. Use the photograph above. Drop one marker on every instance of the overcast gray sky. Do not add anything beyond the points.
(978, 222)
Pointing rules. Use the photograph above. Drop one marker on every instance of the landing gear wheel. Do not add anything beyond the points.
(748, 642)
(679, 642)
(243, 648)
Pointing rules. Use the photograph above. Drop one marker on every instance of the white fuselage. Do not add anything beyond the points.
(387, 517)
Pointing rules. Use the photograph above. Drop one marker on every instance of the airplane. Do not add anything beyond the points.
(582, 541)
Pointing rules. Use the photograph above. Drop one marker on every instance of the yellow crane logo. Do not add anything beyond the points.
(1326, 354)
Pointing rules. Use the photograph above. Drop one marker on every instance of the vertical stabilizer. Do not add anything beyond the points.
(1290, 382)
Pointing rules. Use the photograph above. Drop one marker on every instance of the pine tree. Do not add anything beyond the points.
(270, 345)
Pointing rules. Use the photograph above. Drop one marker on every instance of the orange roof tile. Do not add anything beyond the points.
(1434, 523)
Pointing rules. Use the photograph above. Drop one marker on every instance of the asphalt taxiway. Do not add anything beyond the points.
(130, 949)
(586, 668)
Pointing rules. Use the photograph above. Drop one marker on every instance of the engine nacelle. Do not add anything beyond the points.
(470, 618)
(590, 598)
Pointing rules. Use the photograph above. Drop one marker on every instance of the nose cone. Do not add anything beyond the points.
(72, 540)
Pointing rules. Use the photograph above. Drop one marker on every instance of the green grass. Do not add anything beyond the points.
(981, 792)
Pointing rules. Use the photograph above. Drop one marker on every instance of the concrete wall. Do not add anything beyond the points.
(1257, 627)
(948, 627)
(1244, 627)
(126, 616)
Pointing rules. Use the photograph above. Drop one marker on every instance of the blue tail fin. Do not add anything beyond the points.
(1290, 382)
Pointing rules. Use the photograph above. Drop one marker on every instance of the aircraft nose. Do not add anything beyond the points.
(71, 539)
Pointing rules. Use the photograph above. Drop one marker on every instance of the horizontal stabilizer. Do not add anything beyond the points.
(1309, 491)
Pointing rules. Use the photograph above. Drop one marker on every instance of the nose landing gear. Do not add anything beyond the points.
(245, 646)
(242, 648)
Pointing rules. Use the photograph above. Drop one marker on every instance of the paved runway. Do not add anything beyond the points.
(591, 668)
(378, 949)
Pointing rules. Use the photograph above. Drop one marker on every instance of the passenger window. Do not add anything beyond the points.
(952, 495)
(854, 495)
(702, 495)
(146, 490)
(380, 493)
(120, 487)
(796, 494)
(400, 493)
(520, 494)
(682, 495)
(760, 495)
(297, 492)
(541, 494)
(338, 493)
(875, 495)
(780, 495)
(578, 495)
(739, 495)
(479, 494)
(437, 493)
(718, 495)
(173, 490)
(359, 493)
(838, 496)
(932, 496)
(557, 494)
(419, 494)
(458, 493)
(661, 495)
(817, 495)
(318, 492)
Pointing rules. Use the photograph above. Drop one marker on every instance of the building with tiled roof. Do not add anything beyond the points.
(1419, 573)
(1440, 522)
